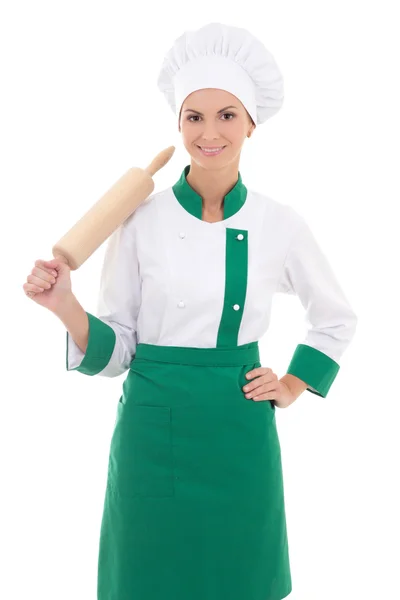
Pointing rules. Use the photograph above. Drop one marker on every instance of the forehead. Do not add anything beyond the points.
(210, 99)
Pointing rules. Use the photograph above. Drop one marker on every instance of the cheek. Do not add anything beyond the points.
(188, 137)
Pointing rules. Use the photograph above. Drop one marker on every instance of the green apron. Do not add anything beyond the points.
(194, 503)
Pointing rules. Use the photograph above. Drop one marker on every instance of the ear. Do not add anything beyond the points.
(252, 128)
(179, 120)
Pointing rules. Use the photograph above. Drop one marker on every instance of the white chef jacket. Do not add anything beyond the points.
(168, 278)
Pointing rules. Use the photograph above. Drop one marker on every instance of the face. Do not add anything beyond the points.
(203, 123)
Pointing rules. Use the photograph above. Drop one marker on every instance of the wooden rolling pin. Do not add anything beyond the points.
(108, 213)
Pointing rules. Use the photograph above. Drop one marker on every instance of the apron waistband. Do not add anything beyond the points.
(232, 356)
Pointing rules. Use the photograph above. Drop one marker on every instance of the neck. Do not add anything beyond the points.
(212, 185)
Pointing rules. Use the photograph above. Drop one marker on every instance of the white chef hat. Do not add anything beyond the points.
(224, 57)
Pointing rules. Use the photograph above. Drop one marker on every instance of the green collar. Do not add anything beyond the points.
(192, 202)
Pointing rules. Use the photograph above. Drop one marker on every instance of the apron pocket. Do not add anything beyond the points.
(141, 451)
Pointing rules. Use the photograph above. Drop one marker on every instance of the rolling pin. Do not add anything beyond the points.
(108, 213)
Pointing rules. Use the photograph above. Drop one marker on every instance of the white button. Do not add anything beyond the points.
(181, 304)
(240, 236)
(236, 307)
(182, 234)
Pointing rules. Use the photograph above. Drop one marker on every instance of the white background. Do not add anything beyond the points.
(79, 106)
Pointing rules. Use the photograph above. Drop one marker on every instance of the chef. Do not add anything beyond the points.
(194, 504)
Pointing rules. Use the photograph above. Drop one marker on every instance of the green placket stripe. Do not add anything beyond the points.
(100, 347)
(314, 367)
(236, 272)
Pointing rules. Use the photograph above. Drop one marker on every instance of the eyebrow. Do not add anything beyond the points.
(201, 114)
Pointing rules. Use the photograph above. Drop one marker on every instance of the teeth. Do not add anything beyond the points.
(211, 149)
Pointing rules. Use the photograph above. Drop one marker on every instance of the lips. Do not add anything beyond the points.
(212, 153)
(210, 147)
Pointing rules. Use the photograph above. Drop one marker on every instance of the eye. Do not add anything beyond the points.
(223, 114)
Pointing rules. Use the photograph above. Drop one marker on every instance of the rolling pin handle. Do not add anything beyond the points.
(61, 258)
(160, 161)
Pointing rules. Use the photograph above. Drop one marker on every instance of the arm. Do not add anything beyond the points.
(105, 344)
(296, 386)
(76, 321)
(307, 274)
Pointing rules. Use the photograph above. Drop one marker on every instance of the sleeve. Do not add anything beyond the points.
(113, 331)
(330, 318)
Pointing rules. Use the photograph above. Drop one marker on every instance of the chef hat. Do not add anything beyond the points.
(223, 57)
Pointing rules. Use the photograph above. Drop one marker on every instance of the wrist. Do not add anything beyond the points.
(295, 385)
(65, 305)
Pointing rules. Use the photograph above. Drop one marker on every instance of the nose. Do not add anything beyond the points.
(210, 132)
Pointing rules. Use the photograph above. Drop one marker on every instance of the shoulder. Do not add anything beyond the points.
(281, 215)
(146, 210)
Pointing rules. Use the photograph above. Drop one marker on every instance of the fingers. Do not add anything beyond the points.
(40, 265)
(261, 380)
(257, 372)
(40, 282)
(264, 395)
(262, 390)
(263, 384)
(43, 274)
(31, 289)
(41, 278)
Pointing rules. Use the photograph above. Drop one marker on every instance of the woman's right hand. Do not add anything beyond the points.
(49, 283)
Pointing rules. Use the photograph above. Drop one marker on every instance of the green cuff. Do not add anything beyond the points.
(315, 368)
(100, 347)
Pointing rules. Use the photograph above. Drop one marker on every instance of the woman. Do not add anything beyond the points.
(194, 505)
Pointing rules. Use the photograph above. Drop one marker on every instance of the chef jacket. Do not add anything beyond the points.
(170, 278)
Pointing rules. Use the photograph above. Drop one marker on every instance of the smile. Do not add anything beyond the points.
(210, 151)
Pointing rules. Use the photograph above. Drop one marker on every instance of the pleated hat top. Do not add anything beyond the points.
(223, 57)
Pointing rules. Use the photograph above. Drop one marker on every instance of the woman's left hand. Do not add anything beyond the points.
(267, 386)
